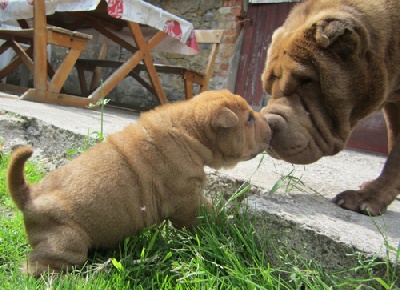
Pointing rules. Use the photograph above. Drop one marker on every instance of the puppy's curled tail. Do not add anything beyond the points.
(18, 188)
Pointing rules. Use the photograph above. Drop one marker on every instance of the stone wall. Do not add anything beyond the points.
(204, 14)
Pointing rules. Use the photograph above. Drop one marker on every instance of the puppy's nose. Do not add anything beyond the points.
(265, 131)
(263, 111)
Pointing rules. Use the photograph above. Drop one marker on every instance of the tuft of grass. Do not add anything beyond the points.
(13, 242)
(89, 140)
(288, 182)
(391, 275)
(33, 173)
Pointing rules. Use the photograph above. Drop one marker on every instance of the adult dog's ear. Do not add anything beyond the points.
(225, 118)
(341, 36)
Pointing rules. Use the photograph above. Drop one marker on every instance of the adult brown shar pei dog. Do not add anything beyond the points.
(151, 171)
(332, 63)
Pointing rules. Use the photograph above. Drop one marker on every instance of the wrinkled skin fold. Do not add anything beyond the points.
(331, 64)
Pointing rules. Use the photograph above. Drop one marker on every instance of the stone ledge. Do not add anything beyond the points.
(299, 214)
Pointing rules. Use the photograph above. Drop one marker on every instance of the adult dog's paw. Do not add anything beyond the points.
(362, 201)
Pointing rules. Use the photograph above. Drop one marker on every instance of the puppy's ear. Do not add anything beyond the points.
(225, 118)
(343, 37)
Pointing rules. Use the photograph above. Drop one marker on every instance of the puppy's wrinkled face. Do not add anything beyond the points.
(241, 133)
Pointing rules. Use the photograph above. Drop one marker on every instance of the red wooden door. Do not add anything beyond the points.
(370, 134)
(262, 20)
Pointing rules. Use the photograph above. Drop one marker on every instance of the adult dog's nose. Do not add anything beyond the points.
(275, 121)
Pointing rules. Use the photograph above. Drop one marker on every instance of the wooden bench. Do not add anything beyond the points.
(74, 41)
(189, 76)
(56, 35)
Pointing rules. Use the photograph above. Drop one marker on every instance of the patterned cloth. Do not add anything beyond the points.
(133, 10)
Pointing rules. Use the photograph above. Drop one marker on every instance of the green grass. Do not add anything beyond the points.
(223, 254)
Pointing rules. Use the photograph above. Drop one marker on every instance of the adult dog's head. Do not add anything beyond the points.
(324, 73)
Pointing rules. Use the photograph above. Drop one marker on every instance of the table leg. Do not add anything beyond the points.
(14, 64)
(63, 71)
(40, 46)
(116, 77)
(23, 55)
(148, 62)
(188, 82)
(97, 72)
(143, 54)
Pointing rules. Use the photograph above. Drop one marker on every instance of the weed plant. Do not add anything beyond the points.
(93, 136)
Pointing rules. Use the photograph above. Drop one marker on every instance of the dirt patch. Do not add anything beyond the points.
(51, 143)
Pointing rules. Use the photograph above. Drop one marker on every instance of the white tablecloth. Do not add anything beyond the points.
(133, 10)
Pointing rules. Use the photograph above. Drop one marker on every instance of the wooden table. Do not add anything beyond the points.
(119, 21)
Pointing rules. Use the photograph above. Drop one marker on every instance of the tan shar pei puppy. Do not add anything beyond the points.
(332, 63)
(151, 171)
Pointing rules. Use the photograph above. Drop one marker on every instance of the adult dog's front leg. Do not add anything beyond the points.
(375, 196)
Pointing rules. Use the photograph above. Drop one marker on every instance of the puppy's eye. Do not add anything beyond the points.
(251, 120)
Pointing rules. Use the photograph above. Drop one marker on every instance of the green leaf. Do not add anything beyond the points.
(117, 265)
(276, 186)
(240, 193)
(383, 283)
(167, 256)
(153, 240)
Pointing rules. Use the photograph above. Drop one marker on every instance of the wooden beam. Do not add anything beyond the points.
(188, 83)
(101, 28)
(6, 45)
(63, 70)
(65, 40)
(40, 45)
(97, 72)
(23, 56)
(143, 46)
(116, 77)
(141, 81)
(210, 64)
(10, 67)
(12, 88)
(35, 95)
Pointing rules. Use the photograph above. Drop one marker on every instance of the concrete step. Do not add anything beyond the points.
(298, 213)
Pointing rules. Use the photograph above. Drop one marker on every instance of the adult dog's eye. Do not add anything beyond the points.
(305, 81)
(272, 77)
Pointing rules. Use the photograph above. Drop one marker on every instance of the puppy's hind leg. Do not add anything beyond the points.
(187, 214)
(57, 251)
